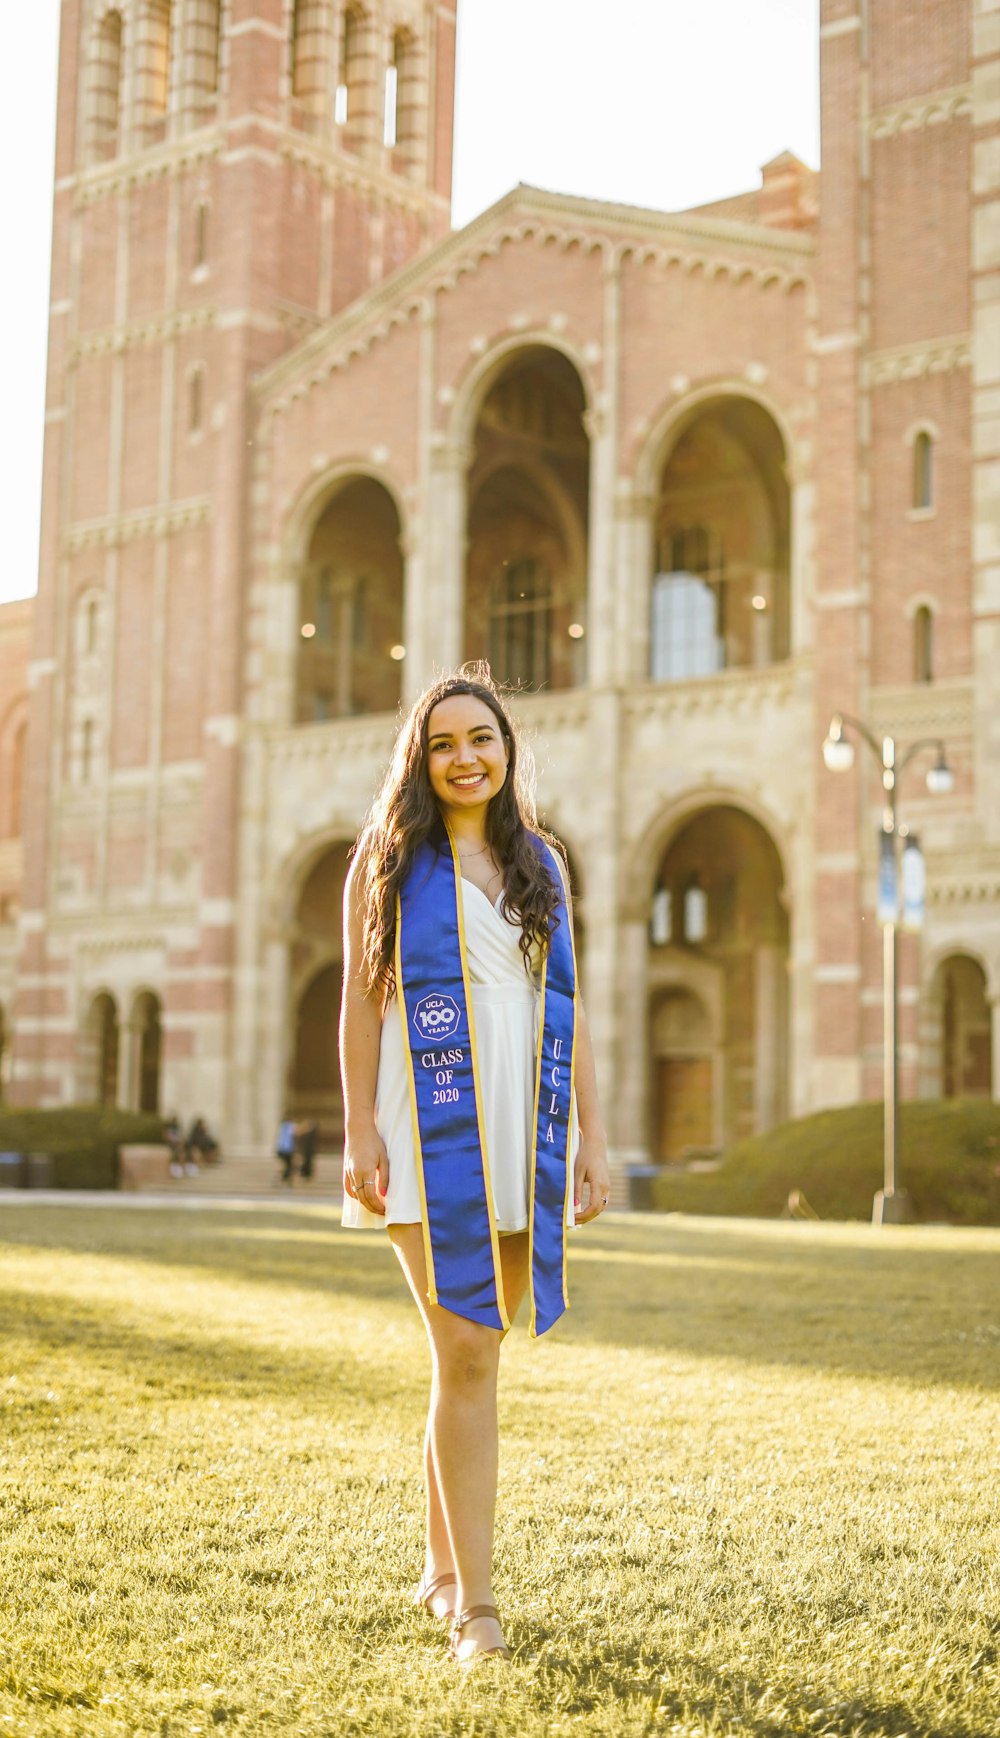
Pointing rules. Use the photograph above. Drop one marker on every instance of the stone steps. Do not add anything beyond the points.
(249, 1175)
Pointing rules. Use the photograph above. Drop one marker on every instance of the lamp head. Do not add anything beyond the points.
(838, 752)
(940, 778)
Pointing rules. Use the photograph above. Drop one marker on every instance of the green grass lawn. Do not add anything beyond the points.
(749, 1486)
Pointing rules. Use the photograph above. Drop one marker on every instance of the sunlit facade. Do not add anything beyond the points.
(691, 482)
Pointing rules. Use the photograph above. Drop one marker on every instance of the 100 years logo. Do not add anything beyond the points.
(436, 1017)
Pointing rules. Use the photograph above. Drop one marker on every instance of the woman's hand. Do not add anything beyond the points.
(591, 1168)
(366, 1168)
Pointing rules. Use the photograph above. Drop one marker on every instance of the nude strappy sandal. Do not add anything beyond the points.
(475, 1653)
(428, 1590)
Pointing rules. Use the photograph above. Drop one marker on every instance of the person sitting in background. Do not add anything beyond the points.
(202, 1147)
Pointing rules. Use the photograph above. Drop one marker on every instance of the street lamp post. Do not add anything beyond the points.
(891, 1203)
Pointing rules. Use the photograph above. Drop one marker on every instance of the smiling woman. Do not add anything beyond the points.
(470, 1096)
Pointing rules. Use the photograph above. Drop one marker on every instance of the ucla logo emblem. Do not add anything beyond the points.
(436, 1016)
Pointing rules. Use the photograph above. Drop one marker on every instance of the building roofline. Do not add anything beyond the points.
(632, 222)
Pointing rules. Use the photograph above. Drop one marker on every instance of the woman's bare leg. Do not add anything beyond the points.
(462, 1425)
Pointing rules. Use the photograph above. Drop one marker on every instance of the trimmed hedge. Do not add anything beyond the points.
(949, 1163)
(82, 1140)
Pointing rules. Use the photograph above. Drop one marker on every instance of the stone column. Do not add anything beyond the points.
(441, 631)
(770, 1062)
(629, 1109)
(634, 539)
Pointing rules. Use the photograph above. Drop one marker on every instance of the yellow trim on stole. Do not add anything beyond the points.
(418, 1151)
(534, 1160)
(572, 1085)
(487, 1178)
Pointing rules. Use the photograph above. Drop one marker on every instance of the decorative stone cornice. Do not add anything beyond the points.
(732, 692)
(913, 361)
(164, 521)
(116, 339)
(105, 943)
(152, 163)
(715, 248)
(924, 111)
(979, 885)
(944, 709)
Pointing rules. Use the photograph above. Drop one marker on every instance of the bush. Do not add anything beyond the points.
(949, 1163)
(82, 1140)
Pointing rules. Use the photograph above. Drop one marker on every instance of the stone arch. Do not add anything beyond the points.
(527, 512)
(351, 600)
(717, 1017)
(328, 478)
(103, 104)
(667, 426)
(956, 1033)
(473, 385)
(654, 841)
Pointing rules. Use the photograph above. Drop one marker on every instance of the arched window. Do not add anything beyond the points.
(520, 624)
(153, 69)
(407, 94)
(200, 234)
(351, 606)
(86, 751)
(391, 98)
(923, 470)
(196, 399)
(101, 1044)
(720, 586)
(349, 103)
(103, 122)
(310, 54)
(202, 58)
(923, 644)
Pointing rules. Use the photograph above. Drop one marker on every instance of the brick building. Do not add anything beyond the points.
(697, 480)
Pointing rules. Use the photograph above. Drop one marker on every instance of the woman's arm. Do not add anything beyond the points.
(591, 1168)
(365, 1157)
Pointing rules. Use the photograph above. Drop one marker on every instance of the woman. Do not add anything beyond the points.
(469, 1091)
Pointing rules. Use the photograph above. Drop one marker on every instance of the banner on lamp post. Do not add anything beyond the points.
(887, 909)
(914, 885)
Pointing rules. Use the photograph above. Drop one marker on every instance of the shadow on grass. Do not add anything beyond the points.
(173, 1364)
(918, 1310)
(623, 1676)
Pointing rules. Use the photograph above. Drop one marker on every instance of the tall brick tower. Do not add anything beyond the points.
(229, 174)
(906, 621)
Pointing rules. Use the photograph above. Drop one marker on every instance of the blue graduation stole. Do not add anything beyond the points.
(453, 1168)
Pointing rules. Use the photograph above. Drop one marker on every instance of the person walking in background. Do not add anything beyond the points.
(473, 1129)
(284, 1147)
(307, 1135)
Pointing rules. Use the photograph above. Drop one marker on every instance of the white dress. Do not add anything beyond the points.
(505, 1005)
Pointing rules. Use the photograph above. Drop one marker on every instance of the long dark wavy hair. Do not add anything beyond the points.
(405, 814)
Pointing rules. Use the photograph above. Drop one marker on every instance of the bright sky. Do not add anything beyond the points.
(666, 104)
